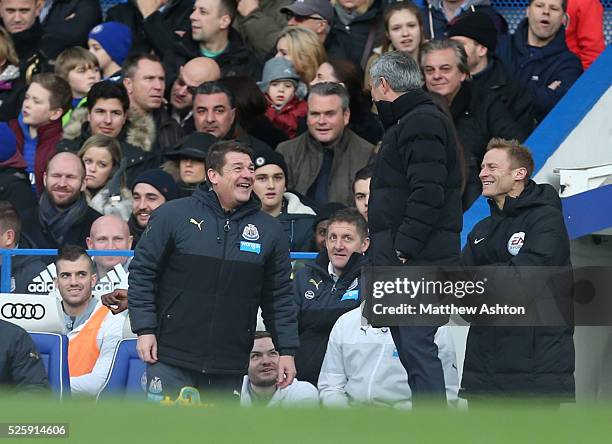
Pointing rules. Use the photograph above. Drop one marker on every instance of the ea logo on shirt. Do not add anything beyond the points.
(515, 243)
(309, 294)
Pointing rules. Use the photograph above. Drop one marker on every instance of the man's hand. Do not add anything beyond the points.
(146, 346)
(148, 7)
(554, 85)
(286, 371)
(246, 7)
(117, 301)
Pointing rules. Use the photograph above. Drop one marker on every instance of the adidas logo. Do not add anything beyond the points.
(43, 283)
(115, 278)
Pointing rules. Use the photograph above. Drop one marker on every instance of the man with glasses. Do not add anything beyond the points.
(316, 15)
(191, 75)
(202, 268)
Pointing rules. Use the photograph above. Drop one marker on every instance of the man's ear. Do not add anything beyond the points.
(225, 22)
(130, 242)
(94, 280)
(127, 82)
(56, 114)
(89, 243)
(212, 176)
(520, 173)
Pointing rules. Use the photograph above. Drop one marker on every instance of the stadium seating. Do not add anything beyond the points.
(126, 373)
(53, 349)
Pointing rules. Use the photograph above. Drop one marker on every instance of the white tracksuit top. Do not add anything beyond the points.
(361, 366)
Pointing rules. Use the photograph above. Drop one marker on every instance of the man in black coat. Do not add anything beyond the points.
(525, 229)
(476, 32)
(202, 268)
(155, 24)
(415, 214)
(63, 216)
(21, 368)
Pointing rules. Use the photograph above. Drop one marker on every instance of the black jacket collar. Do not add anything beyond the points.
(391, 112)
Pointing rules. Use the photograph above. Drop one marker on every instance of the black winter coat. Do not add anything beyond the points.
(16, 188)
(68, 23)
(320, 303)
(235, 60)
(20, 365)
(349, 41)
(494, 79)
(198, 277)
(520, 360)
(42, 238)
(536, 68)
(157, 32)
(415, 200)
(479, 118)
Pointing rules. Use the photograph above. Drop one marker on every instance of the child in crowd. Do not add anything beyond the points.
(81, 70)
(38, 128)
(110, 42)
(285, 95)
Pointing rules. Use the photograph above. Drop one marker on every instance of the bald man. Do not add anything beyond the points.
(109, 233)
(191, 75)
(63, 216)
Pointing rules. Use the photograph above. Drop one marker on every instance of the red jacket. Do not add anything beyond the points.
(48, 136)
(287, 118)
(584, 33)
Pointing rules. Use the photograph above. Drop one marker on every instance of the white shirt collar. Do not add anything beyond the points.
(330, 270)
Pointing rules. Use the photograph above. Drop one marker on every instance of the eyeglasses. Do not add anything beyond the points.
(181, 84)
(302, 18)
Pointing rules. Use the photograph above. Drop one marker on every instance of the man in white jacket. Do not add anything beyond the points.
(259, 386)
(362, 366)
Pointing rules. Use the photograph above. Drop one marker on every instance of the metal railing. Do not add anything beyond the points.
(7, 260)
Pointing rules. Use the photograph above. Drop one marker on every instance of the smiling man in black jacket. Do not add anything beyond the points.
(202, 268)
(525, 229)
(415, 214)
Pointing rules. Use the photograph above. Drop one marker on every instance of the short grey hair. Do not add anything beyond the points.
(441, 45)
(400, 70)
(331, 89)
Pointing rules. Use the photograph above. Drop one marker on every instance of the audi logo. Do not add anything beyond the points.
(23, 311)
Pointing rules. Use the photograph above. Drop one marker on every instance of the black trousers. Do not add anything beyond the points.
(166, 381)
(418, 354)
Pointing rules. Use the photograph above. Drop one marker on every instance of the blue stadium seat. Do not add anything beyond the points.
(126, 372)
(53, 349)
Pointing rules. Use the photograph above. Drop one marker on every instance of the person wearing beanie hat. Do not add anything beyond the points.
(110, 42)
(284, 94)
(150, 190)
(270, 186)
(478, 35)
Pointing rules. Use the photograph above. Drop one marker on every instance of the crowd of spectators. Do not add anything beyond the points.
(104, 118)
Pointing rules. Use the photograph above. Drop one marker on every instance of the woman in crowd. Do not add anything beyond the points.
(403, 32)
(105, 176)
(187, 164)
(12, 87)
(362, 121)
(302, 47)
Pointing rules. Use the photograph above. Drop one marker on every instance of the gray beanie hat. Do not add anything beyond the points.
(278, 68)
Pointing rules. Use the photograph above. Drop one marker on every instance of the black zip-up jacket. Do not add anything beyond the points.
(68, 23)
(522, 360)
(415, 201)
(21, 368)
(198, 277)
(157, 32)
(320, 303)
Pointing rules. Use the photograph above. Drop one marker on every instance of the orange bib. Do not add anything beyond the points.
(83, 350)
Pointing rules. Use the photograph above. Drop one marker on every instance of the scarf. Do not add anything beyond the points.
(57, 222)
